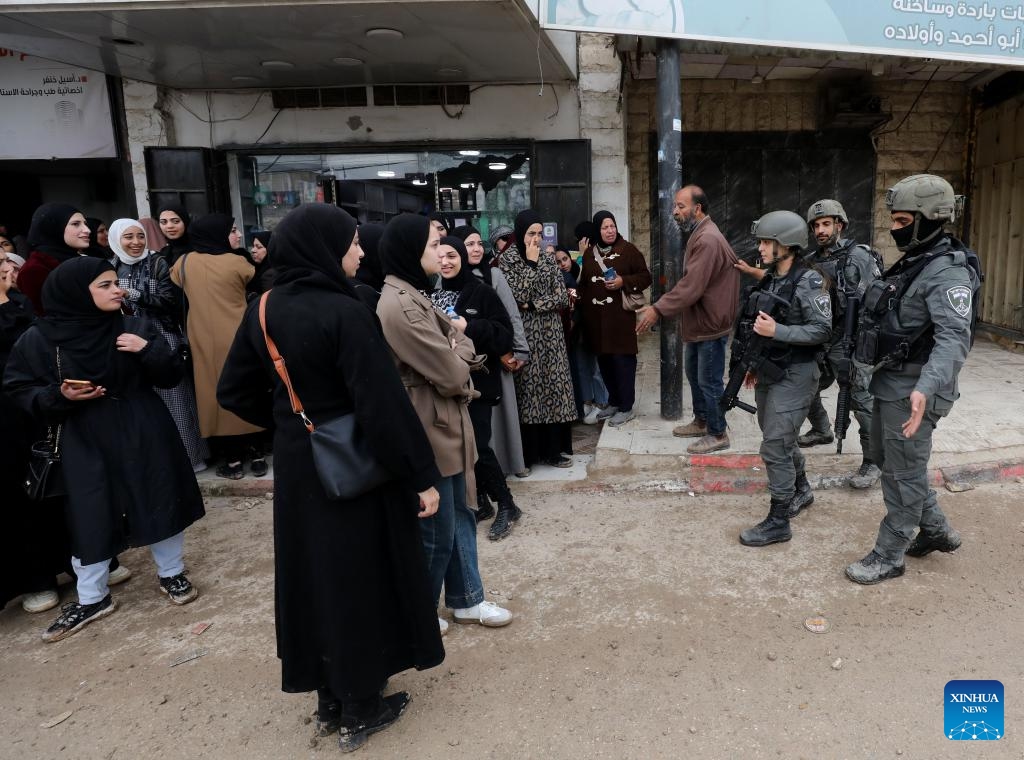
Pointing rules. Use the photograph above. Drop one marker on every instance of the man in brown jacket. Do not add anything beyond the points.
(706, 298)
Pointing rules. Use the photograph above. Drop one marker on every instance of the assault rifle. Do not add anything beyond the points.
(846, 372)
(750, 350)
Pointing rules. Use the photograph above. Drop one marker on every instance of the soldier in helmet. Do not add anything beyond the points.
(916, 326)
(798, 323)
(848, 268)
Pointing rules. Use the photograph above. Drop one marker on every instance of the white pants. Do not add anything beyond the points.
(92, 579)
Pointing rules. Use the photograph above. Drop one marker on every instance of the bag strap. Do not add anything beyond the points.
(279, 365)
(55, 435)
(599, 259)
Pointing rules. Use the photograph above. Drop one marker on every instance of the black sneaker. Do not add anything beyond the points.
(561, 461)
(179, 589)
(74, 617)
(231, 471)
(356, 729)
(502, 525)
(484, 508)
(258, 467)
(814, 438)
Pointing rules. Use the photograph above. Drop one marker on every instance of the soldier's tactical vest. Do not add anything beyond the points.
(881, 340)
(834, 268)
(778, 305)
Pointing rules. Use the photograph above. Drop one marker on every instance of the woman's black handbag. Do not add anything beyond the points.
(343, 460)
(44, 477)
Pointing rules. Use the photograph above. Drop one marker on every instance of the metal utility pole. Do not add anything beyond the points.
(670, 148)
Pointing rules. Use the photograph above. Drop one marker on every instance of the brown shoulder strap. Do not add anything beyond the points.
(279, 365)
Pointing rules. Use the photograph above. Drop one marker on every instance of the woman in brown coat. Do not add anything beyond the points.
(434, 358)
(610, 328)
(214, 281)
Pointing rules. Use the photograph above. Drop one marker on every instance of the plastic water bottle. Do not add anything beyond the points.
(450, 311)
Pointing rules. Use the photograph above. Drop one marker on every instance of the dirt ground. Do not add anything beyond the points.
(643, 630)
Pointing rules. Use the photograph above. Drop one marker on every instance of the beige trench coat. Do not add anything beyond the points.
(215, 287)
(435, 374)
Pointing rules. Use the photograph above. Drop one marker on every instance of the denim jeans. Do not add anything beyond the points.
(705, 368)
(591, 384)
(449, 542)
(92, 579)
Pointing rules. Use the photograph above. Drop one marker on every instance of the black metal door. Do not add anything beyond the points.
(747, 174)
(561, 184)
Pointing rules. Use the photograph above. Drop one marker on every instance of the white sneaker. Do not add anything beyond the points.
(41, 601)
(486, 613)
(591, 416)
(443, 625)
(607, 412)
(119, 576)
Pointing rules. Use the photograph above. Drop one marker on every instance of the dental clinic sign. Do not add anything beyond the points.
(50, 110)
(968, 31)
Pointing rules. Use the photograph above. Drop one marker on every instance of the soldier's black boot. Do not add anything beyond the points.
(774, 529)
(508, 515)
(804, 496)
(923, 544)
(484, 508)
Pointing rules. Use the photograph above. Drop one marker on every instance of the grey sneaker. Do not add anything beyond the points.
(621, 418)
(866, 476)
(874, 568)
(924, 545)
(607, 412)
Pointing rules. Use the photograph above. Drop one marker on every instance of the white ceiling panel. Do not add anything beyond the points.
(443, 41)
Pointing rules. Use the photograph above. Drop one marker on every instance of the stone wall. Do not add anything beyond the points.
(602, 121)
(931, 138)
(148, 126)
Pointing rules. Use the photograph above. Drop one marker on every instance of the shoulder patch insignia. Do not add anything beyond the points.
(959, 298)
(823, 303)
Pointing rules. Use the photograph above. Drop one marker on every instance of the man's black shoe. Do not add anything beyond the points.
(484, 508)
(508, 515)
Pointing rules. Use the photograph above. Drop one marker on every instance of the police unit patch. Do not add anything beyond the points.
(823, 303)
(959, 298)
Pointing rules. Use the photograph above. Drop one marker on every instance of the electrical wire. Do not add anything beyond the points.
(876, 135)
(279, 112)
(246, 115)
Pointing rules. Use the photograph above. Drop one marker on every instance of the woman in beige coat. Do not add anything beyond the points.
(434, 358)
(214, 281)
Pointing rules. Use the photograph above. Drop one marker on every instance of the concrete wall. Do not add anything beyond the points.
(932, 138)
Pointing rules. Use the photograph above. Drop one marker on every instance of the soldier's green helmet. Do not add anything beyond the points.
(784, 227)
(827, 207)
(926, 194)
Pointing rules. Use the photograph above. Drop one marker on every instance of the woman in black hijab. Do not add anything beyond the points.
(370, 278)
(174, 223)
(490, 329)
(90, 370)
(506, 437)
(435, 359)
(544, 386)
(58, 233)
(99, 242)
(353, 604)
(263, 279)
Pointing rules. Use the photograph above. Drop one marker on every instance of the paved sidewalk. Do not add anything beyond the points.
(982, 439)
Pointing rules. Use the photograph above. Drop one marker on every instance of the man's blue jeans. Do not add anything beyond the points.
(449, 543)
(705, 368)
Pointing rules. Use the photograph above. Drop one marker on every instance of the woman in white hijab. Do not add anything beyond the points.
(149, 293)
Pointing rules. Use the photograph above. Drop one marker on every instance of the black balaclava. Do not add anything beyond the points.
(47, 231)
(85, 334)
(309, 244)
(524, 221)
(401, 248)
(209, 234)
(370, 272)
(918, 235)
